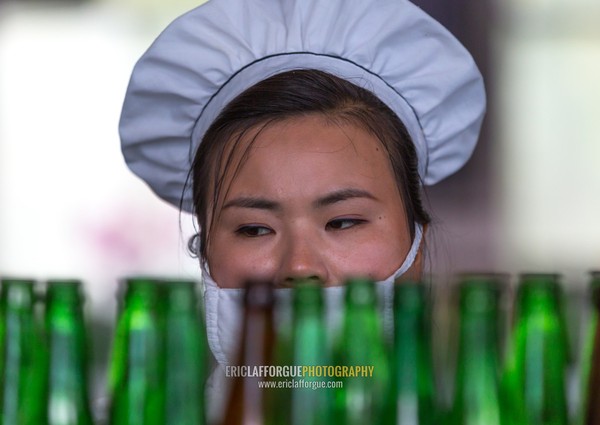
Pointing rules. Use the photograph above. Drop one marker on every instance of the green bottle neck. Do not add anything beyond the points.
(538, 294)
(362, 334)
(308, 330)
(181, 297)
(142, 294)
(65, 327)
(64, 299)
(540, 350)
(478, 335)
(361, 304)
(540, 322)
(17, 295)
(410, 297)
(411, 317)
(477, 389)
(362, 318)
(412, 349)
(139, 319)
(307, 301)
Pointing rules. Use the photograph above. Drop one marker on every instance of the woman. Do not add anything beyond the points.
(307, 129)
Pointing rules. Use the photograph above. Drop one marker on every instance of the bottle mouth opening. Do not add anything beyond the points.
(17, 282)
(63, 288)
(528, 276)
(360, 292)
(18, 292)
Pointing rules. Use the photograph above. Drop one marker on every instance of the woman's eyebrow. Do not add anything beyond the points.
(342, 195)
(268, 204)
(253, 202)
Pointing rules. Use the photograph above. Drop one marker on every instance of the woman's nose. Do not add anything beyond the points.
(302, 258)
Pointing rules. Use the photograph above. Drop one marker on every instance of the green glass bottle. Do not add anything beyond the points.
(366, 396)
(136, 377)
(537, 358)
(477, 395)
(23, 356)
(309, 405)
(68, 396)
(412, 361)
(278, 397)
(186, 355)
(590, 369)
(300, 341)
(246, 404)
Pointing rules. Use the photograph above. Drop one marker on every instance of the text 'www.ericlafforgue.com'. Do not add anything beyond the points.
(300, 384)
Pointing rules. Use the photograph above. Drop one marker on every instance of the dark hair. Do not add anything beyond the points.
(293, 94)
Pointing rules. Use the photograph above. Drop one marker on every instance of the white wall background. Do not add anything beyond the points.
(69, 207)
(548, 58)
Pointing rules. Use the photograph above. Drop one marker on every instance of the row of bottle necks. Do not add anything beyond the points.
(354, 373)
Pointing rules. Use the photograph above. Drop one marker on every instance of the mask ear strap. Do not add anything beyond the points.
(206, 277)
(412, 253)
(387, 296)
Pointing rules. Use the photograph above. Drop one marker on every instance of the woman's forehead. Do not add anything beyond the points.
(306, 154)
(310, 134)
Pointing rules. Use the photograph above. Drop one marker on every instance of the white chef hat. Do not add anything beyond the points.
(207, 57)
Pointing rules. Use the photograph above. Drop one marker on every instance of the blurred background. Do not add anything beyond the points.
(528, 201)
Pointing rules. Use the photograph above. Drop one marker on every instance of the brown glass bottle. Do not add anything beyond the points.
(246, 401)
(591, 376)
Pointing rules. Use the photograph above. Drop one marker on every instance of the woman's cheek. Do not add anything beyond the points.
(247, 261)
(375, 257)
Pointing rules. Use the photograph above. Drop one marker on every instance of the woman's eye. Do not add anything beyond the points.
(343, 223)
(253, 231)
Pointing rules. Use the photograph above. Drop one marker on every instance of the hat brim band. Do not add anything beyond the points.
(268, 66)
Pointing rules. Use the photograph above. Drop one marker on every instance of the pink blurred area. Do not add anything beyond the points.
(129, 238)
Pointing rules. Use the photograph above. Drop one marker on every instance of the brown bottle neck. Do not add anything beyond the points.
(592, 415)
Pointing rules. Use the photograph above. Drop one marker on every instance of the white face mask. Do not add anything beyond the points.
(224, 307)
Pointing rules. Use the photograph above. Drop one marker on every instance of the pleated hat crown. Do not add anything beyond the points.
(208, 56)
